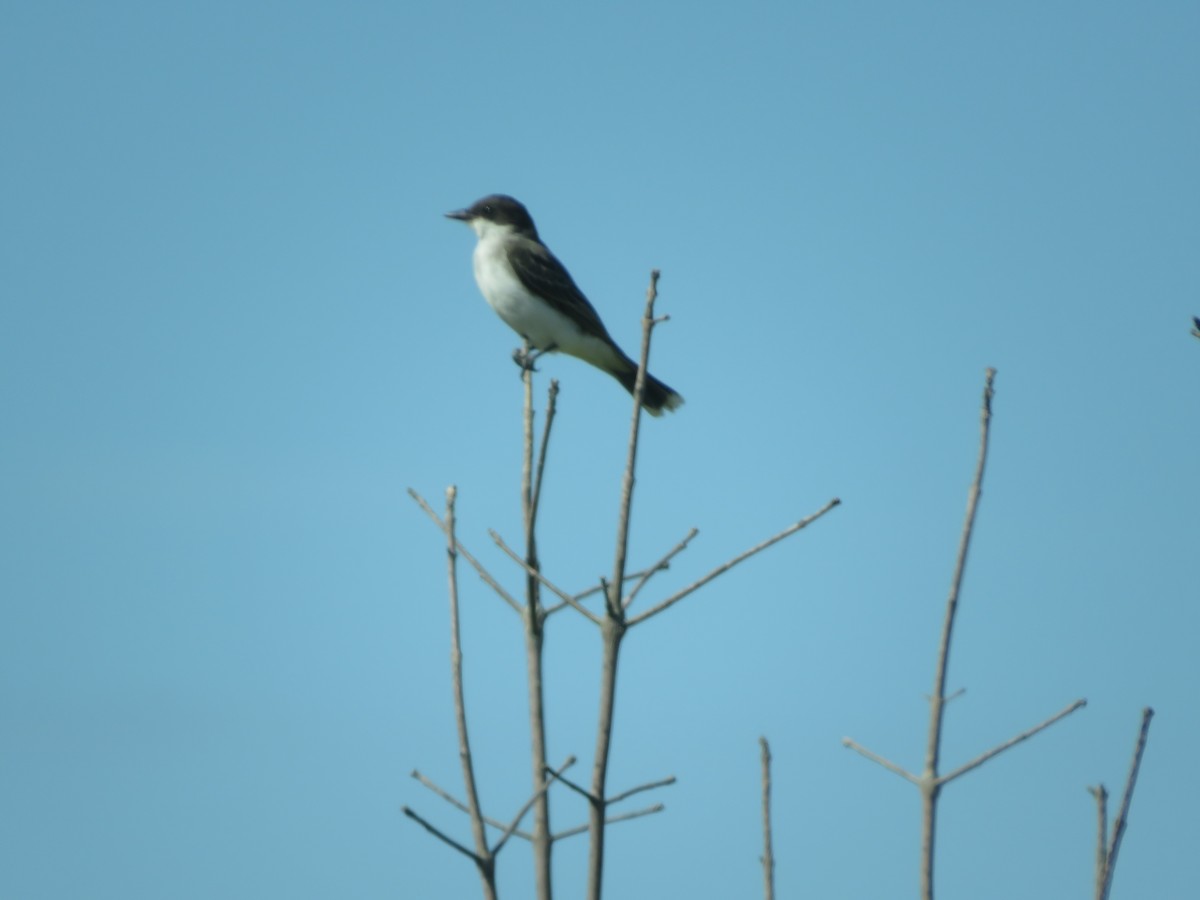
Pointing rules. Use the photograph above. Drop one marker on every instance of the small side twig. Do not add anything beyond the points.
(648, 786)
(440, 835)
(582, 791)
(460, 806)
(475, 564)
(726, 566)
(610, 820)
(1012, 742)
(542, 579)
(661, 565)
(880, 760)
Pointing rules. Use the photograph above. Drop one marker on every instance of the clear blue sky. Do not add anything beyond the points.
(236, 327)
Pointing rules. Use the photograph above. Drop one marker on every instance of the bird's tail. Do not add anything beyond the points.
(656, 396)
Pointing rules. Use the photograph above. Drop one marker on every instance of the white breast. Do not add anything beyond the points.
(525, 314)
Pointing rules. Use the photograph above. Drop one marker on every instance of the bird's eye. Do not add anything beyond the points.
(487, 209)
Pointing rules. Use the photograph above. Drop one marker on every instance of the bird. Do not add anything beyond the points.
(535, 295)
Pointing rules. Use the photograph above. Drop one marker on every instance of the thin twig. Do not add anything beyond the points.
(876, 758)
(462, 807)
(478, 829)
(635, 814)
(595, 589)
(609, 820)
(512, 827)
(440, 791)
(648, 786)
(1011, 742)
(1122, 819)
(542, 579)
(551, 408)
(581, 791)
(408, 811)
(475, 564)
(661, 565)
(725, 567)
(768, 857)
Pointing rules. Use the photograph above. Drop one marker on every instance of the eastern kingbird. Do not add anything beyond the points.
(534, 293)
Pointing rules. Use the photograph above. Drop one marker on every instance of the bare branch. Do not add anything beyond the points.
(937, 699)
(725, 567)
(768, 857)
(551, 408)
(623, 817)
(533, 619)
(581, 791)
(512, 827)
(876, 758)
(462, 807)
(441, 792)
(1101, 796)
(662, 564)
(648, 786)
(1122, 819)
(542, 579)
(613, 628)
(930, 783)
(441, 836)
(599, 588)
(1012, 742)
(475, 564)
(478, 829)
(635, 814)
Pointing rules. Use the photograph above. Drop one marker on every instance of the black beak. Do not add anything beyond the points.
(463, 215)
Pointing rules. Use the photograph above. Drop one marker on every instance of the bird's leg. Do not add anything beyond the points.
(526, 360)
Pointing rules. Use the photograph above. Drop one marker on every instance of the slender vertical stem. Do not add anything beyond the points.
(612, 631)
(613, 627)
(929, 798)
(484, 860)
(1122, 819)
(534, 620)
(627, 483)
(929, 784)
(768, 858)
(528, 510)
(1101, 796)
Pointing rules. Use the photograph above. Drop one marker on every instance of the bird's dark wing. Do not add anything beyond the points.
(541, 273)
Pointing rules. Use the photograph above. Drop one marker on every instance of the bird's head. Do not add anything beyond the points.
(497, 211)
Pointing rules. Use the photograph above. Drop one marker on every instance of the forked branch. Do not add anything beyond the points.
(1106, 861)
(726, 566)
(930, 782)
